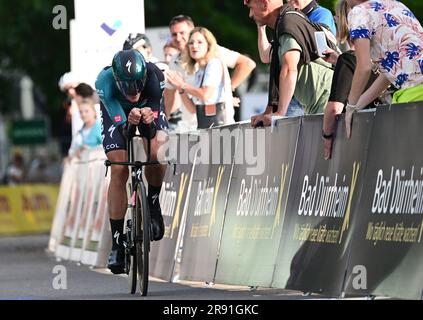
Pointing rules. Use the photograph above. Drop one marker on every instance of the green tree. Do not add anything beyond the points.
(30, 45)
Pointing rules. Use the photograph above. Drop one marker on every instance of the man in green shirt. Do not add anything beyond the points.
(296, 68)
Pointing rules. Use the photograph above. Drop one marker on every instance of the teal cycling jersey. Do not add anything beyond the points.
(115, 103)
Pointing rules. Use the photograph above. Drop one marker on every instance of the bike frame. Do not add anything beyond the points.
(136, 181)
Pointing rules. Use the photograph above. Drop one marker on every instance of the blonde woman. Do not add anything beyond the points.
(211, 96)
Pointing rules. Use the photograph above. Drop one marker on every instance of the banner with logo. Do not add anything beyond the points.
(27, 209)
(95, 175)
(73, 216)
(316, 234)
(206, 206)
(387, 246)
(95, 38)
(63, 202)
(256, 203)
(99, 238)
(173, 199)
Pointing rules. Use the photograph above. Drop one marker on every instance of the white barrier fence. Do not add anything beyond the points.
(80, 230)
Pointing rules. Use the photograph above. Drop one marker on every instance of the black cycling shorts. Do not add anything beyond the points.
(112, 136)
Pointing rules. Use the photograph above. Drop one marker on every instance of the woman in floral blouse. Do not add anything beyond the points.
(387, 33)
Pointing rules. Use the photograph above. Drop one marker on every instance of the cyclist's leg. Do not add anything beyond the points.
(155, 175)
(114, 145)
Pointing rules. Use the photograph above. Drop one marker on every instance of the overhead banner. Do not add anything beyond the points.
(175, 192)
(206, 205)
(256, 204)
(316, 234)
(387, 247)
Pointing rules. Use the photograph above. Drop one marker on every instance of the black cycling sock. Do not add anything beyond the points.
(117, 233)
(153, 196)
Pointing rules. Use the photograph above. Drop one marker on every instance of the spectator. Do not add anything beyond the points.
(37, 172)
(83, 92)
(388, 33)
(67, 84)
(16, 172)
(342, 78)
(210, 97)
(180, 28)
(140, 42)
(311, 9)
(296, 69)
(316, 14)
(90, 134)
(65, 128)
(169, 51)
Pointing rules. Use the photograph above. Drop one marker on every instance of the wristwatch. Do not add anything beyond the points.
(327, 136)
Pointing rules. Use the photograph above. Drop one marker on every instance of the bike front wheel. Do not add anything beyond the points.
(142, 243)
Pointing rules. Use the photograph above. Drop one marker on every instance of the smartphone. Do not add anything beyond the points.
(321, 43)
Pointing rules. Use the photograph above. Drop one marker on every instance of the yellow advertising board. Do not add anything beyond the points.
(27, 209)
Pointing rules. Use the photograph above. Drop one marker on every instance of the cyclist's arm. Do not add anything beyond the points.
(105, 87)
(154, 89)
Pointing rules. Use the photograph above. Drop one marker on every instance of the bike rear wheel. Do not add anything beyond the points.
(142, 243)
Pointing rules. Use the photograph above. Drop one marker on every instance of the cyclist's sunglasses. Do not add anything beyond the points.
(131, 88)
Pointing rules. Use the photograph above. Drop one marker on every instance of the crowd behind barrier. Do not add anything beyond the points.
(261, 207)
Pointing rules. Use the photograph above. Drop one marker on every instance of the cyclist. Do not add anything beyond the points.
(131, 90)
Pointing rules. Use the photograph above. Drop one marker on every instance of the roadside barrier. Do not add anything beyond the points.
(261, 207)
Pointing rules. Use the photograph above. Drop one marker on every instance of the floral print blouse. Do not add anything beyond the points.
(396, 39)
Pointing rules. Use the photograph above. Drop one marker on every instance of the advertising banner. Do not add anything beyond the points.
(256, 203)
(99, 236)
(99, 31)
(27, 209)
(63, 201)
(206, 206)
(173, 199)
(95, 173)
(70, 227)
(316, 234)
(387, 245)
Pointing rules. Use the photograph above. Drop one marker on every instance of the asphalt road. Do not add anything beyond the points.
(26, 273)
